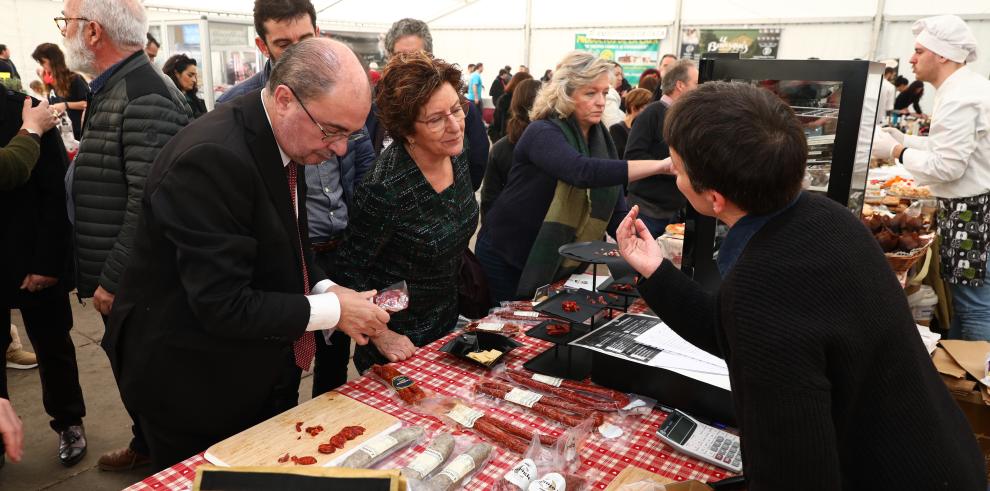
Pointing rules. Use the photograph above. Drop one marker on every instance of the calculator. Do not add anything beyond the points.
(705, 442)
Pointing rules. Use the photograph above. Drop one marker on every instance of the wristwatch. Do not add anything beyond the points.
(900, 158)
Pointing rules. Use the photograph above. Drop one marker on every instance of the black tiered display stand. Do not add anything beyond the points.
(563, 360)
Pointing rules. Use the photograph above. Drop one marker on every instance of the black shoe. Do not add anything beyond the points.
(71, 445)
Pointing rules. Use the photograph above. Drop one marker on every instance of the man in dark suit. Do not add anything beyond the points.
(211, 327)
(35, 252)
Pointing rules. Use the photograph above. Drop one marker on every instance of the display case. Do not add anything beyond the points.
(836, 102)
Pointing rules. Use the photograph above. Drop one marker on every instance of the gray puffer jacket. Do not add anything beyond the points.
(127, 123)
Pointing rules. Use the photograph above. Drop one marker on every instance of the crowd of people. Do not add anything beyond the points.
(228, 251)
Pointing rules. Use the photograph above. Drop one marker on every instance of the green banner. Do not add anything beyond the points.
(635, 55)
(749, 43)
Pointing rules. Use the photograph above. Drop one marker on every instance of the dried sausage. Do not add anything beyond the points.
(431, 458)
(548, 406)
(460, 467)
(568, 390)
(404, 386)
(380, 446)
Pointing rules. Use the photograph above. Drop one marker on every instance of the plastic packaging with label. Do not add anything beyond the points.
(430, 459)
(394, 298)
(461, 467)
(382, 446)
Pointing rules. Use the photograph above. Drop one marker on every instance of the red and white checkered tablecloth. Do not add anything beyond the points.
(601, 459)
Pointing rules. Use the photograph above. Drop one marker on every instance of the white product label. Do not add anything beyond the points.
(610, 431)
(379, 445)
(458, 468)
(635, 403)
(522, 473)
(554, 381)
(549, 482)
(490, 326)
(523, 397)
(426, 462)
(526, 313)
(464, 415)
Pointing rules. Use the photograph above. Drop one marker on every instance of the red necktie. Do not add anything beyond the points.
(303, 348)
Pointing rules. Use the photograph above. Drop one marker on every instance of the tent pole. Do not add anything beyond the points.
(676, 38)
(528, 33)
(877, 27)
(207, 68)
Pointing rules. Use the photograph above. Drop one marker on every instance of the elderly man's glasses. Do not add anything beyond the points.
(438, 122)
(328, 137)
(63, 22)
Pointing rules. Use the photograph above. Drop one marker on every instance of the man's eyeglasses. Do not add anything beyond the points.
(63, 22)
(328, 137)
(438, 122)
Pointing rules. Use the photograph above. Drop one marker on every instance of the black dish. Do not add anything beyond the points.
(586, 310)
(479, 341)
(540, 332)
(589, 252)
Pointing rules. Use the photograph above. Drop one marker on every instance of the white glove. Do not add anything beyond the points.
(883, 144)
(896, 133)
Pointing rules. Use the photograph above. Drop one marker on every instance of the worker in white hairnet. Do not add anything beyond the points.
(954, 161)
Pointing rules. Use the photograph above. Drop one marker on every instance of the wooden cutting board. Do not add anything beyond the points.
(632, 474)
(264, 443)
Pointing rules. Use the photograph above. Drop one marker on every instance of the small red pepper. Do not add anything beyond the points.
(307, 460)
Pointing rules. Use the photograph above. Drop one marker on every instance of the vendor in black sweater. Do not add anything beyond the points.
(831, 384)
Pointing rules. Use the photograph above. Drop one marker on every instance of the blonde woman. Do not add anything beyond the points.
(565, 185)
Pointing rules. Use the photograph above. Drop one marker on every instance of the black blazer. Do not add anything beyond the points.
(213, 295)
(35, 231)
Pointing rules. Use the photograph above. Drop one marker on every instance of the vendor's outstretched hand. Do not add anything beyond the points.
(637, 245)
(393, 345)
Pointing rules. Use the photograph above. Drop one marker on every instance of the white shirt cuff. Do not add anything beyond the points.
(322, 287)
(324, 311)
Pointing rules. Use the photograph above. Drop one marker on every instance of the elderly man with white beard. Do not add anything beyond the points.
(133, 113)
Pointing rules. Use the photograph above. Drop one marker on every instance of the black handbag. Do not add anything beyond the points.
(473, 295)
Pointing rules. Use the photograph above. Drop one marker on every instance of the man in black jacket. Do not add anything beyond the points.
(831, 384)
(6, 65)
(213, 321)
(658, 198)
(36, 278)
(134, 110)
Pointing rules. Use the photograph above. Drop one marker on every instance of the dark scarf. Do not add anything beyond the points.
(575, 214)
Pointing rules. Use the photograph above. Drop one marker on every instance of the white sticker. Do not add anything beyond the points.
(379, 445)
(635, 403)
(523, 397)
(546, 379)
(490, 326)
(522, 473)
(610, 431)
(549, 482)
(464, 415)
(426, 462)
(458, 468)
(526, 313)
